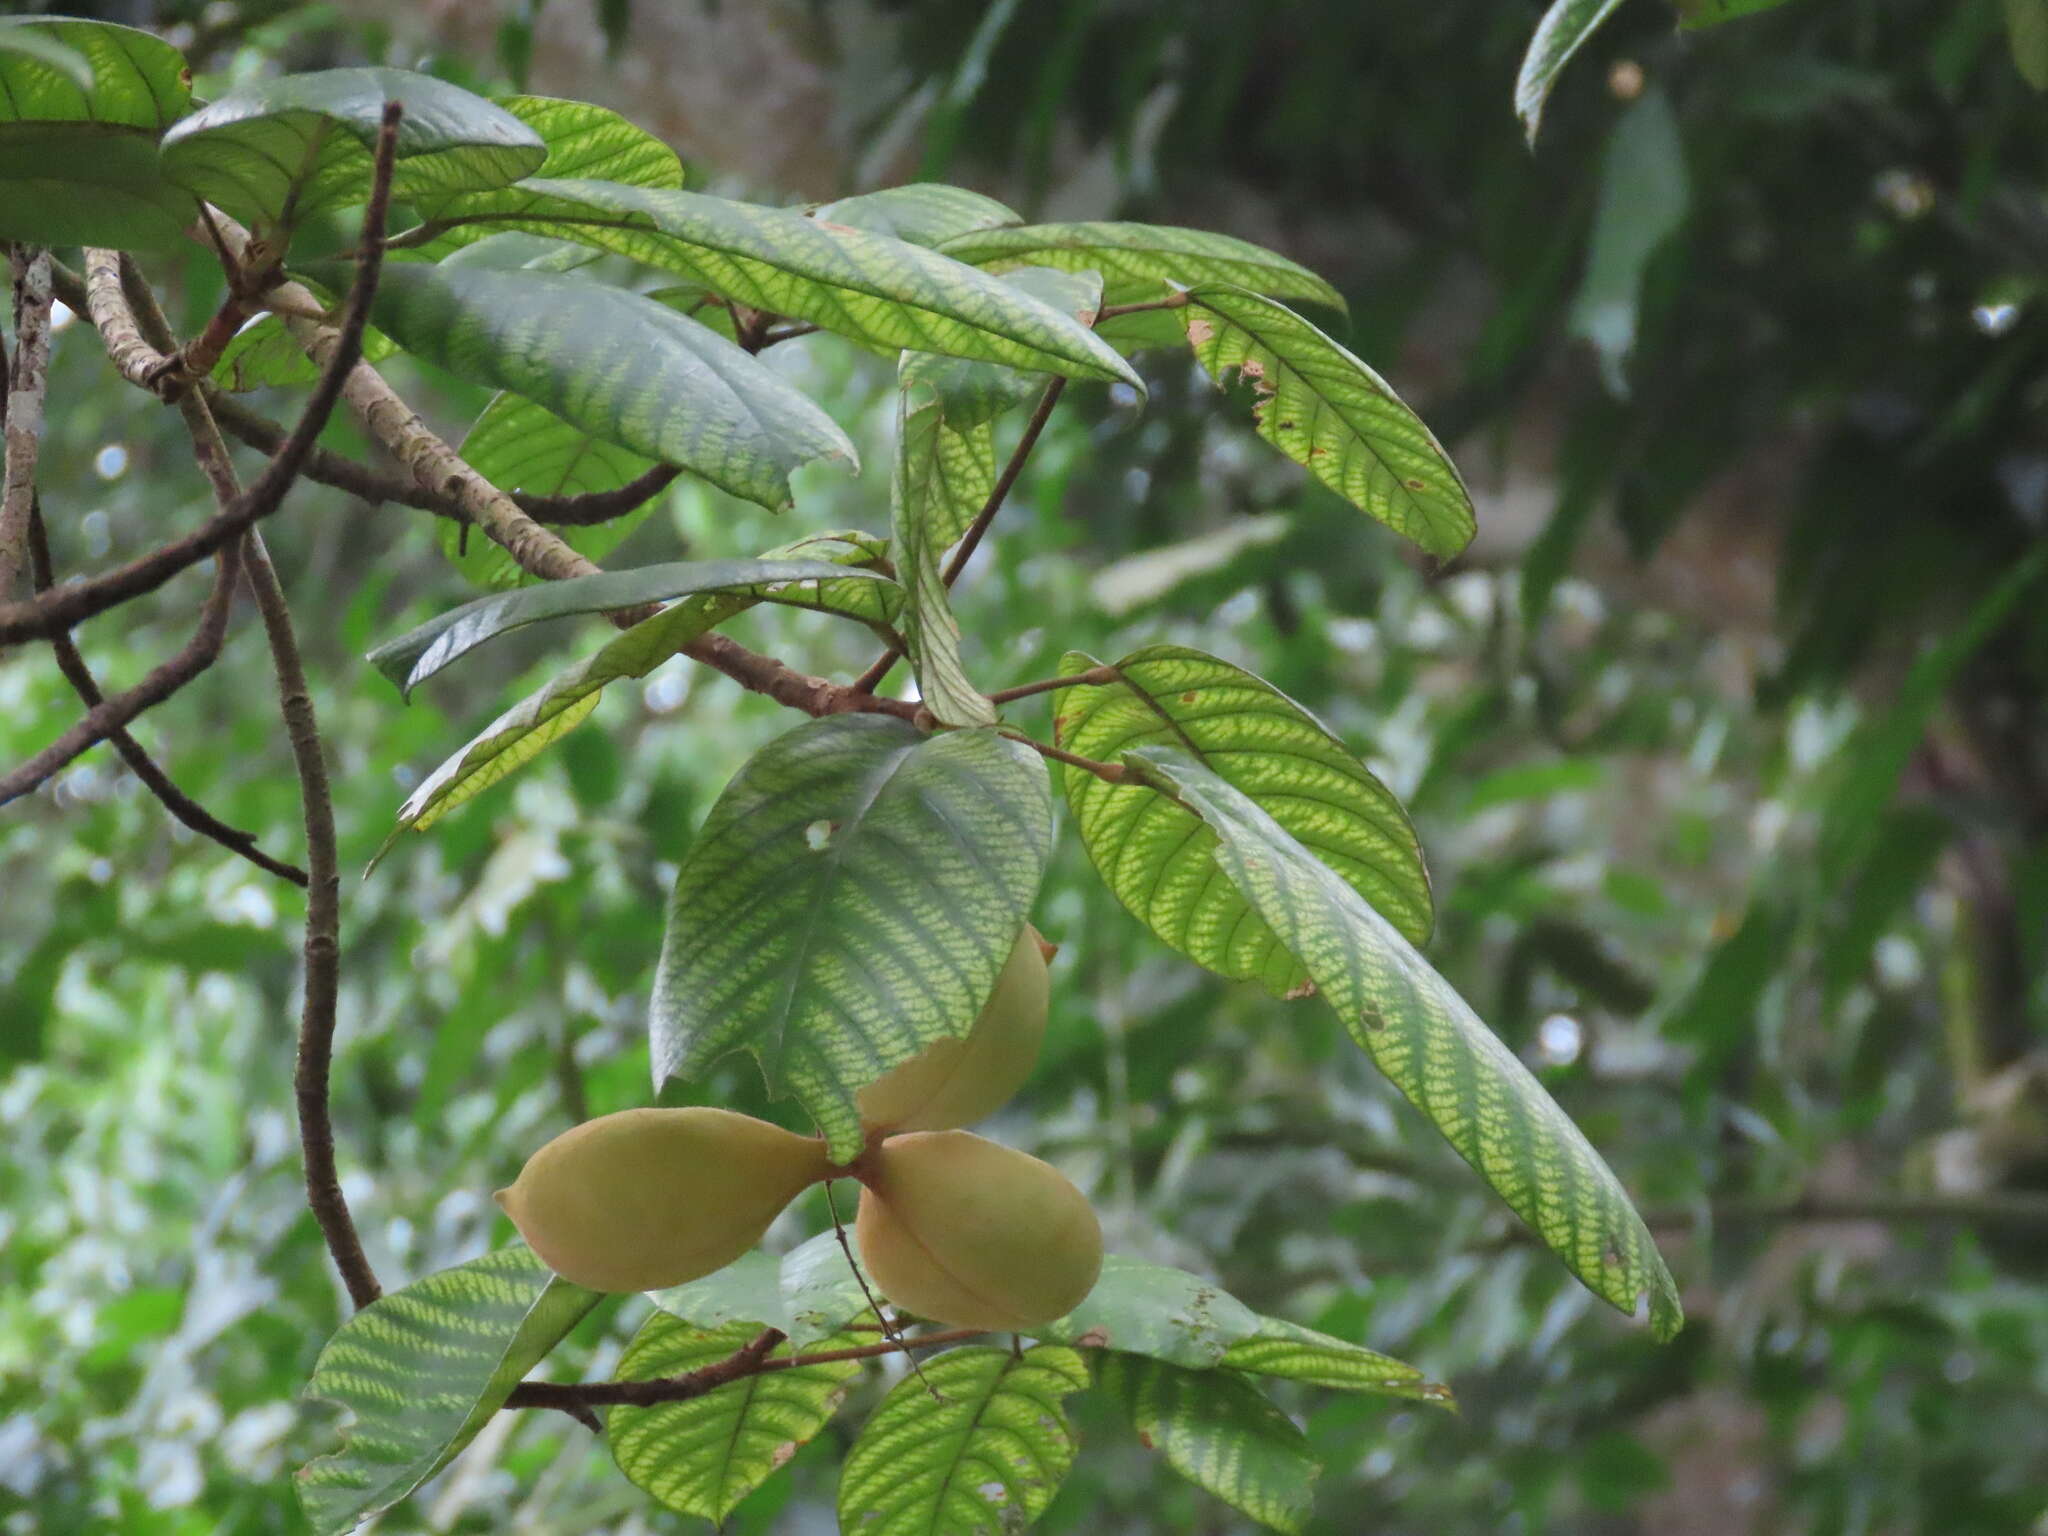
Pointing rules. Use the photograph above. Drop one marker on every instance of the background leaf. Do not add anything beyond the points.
(849, 900)
(1427, 1039)
(988, 1457)
(618, 365)
(1643, 201)
(1159, 858)
(1219, 1432)
(422, 1369)
(82, 104)
(809, 1294)
(870, 287)
(702, 1456)
(1331, 414)
(1560, 34)
(278, 150)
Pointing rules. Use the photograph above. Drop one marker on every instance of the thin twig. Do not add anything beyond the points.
(153, 778)
(1094, 677)
(27, 377)
(970, 541)
(115, 711)
(1109, 773)
(735, 1367)
(317, 1017)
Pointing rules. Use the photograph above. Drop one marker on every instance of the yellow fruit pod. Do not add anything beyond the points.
(966, 1232)
(648, 1198)
(957, 1082)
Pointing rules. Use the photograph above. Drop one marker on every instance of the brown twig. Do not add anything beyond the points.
(1109, 773)
(115, 711)
(1094, 677)
(153, 778)
(27, 377)
(970, 541)
(752, 1360)
(1111, 311)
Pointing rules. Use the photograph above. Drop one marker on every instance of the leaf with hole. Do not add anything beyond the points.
(1560, 34)
(1427, 1039)
(703, 1455)
(522, 447)
(273, 152)
(620, 366)
(873, 288)
(82, 105)
(1332, 415)
(987, 1456)
(927, 213)
(1159, 858)
(851, 899)
(1221, 1433)
(519, 735)
(422, 1370)
(1150, 259)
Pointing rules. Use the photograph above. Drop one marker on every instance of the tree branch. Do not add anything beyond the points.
(753, 1359)
(181, 805)
(27, 381)
(1094, 677)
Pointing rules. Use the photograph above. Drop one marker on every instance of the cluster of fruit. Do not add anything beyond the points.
(952, 1227)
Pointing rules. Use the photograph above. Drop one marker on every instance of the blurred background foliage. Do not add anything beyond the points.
(1726, 742)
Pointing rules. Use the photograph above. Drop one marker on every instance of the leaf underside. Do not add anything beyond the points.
(1159, 858)
(1560, 34)
(1148, 257)
(422, 1369)
(1427, 1039)
(926, 213)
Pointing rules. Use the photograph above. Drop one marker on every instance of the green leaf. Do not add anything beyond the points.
(972, 394)
(988, 1456)
(1152, 255)
(264, 355)
(1643, 200)
(280, 149)
(1560, 34)
(34, 43)
(940, 481)
(519, 735)
(1294, 1353)
(520, 446)
(82, 104)
(1430, 1043)
(1219, 1432)
(809, 1294)
(2026, 29)
(1160, 859)
(870, 287)
(419, 653)
(927, 213)
(1151, 1309)
(1695, 14)
(1331, 414)
(702, 1456)
(423, 1369)
(618, 365)
(582, 139)
(849, 901)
